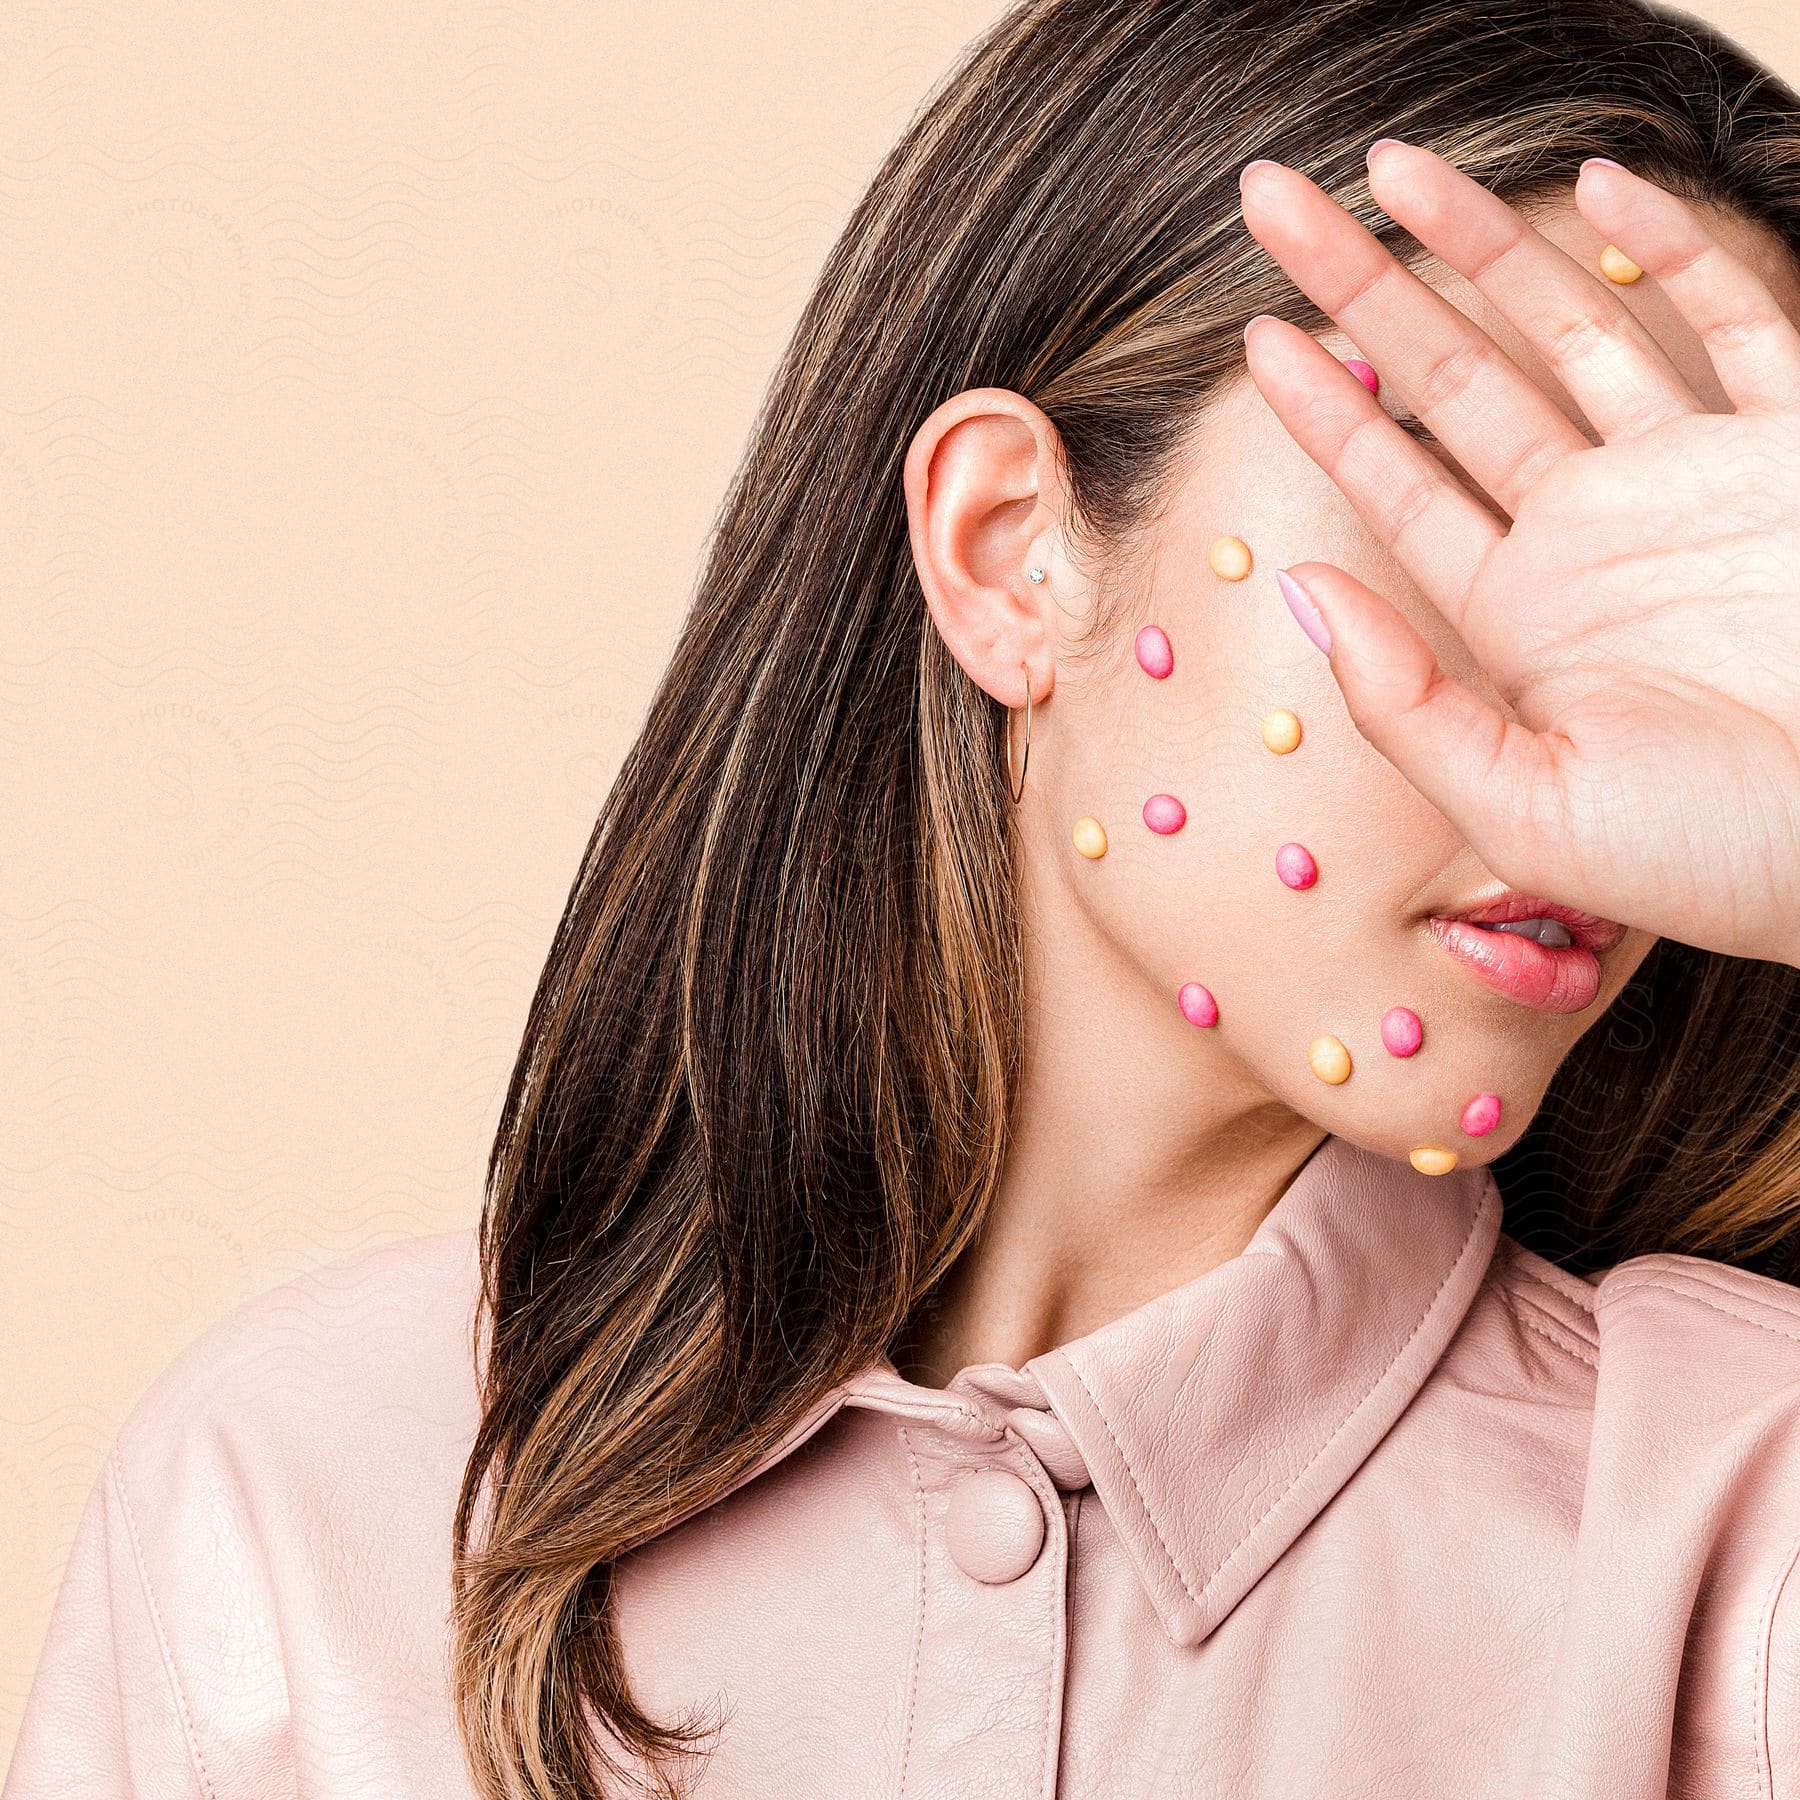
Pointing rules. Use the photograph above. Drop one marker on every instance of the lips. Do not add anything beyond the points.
(1551, 976)
(1587, 929)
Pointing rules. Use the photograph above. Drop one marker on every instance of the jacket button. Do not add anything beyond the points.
(994, 1525)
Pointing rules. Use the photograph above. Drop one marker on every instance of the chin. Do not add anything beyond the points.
(1480, 1119)
(1475, 1103)
(1390, 1138)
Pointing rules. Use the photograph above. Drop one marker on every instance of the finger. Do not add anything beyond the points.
(1498, 423)
(1754, 346)
(1614, 370)
(1476, 766)
(1437, 531)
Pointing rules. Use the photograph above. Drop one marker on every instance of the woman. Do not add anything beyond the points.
(993, 1278)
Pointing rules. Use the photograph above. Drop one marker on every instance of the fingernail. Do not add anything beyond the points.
(1250, 168)
(1606, 162)
(1255, 321)
(1382, 144)
(1303, 609)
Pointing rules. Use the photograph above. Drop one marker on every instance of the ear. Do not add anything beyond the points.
(984, 494)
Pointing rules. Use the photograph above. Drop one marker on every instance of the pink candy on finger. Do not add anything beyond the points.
(1363, 373)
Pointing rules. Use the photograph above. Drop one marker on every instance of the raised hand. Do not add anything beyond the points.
(1639, 616)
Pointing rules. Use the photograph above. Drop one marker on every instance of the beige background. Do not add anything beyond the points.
(371, 373)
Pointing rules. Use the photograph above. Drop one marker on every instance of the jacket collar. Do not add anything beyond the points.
(1217, 1420)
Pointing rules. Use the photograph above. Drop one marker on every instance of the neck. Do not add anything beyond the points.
(1140, 1155)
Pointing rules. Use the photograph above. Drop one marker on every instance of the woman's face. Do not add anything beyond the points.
(1204, 903)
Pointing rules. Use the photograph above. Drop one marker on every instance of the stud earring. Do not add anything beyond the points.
(1034, 575)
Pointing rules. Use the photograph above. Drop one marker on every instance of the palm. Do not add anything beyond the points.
(1639, 616)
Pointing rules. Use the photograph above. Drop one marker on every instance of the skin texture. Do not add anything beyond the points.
(1145, 1151)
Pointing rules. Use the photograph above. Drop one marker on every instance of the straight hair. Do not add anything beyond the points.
(762, 1095)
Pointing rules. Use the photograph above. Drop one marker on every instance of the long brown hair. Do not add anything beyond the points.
(762, 1095)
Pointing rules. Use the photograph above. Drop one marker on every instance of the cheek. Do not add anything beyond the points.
(1207, 902)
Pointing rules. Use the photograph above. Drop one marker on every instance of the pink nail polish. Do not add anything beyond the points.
(1303, 609)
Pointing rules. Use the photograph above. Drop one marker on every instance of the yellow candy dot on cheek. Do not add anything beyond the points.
(1090, 837)
(1615, 265)
(1329, 1060)
(1428, 1159)
(1281, 732)
(1230, 558)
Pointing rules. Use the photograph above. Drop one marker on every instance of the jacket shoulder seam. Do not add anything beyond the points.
(1523, 1311)
(1517, 1271)
(1516, 1265)
(1691, 1290)
(115, 1471)
(1509, 1281)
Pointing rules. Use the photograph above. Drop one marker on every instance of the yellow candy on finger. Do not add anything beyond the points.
(1281, 732)
(1090, 837)
(1615, 265)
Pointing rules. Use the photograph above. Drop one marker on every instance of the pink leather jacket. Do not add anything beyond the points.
(1385, 1506)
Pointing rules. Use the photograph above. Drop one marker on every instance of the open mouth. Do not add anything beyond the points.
(1553, 934)
(1536, 952)
(1534, 962)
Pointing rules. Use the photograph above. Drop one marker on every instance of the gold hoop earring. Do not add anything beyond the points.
(1025, 763)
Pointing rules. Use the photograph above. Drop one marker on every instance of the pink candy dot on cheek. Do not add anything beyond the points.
(1164, 813)
(1481, 1115)
(1153, 652)
(1198, 1007)
(1401, 1031)
(1363, 373)
(1295, 866)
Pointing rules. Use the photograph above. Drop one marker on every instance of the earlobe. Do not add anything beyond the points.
(981, 487)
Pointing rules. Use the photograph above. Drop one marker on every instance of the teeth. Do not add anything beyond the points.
(1553, 934)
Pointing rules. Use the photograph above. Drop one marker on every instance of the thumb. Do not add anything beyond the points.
(1462, 754)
